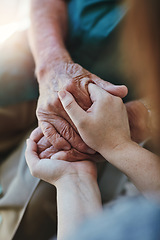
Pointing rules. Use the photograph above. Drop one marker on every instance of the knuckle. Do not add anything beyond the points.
(73, 69)
(72, 137)
(48, 106)
(76, 73)
(58, 141)
(47, 131)
(67, 132)
(40, 113)
(64, 130)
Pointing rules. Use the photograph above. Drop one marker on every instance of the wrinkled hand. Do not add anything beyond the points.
(53, 120)
(53, 168)
(138, 121)
(46, 150)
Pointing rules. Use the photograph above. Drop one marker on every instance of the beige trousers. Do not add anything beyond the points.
(27, 205)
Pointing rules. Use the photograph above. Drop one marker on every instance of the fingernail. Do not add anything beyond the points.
(62, 94)
(91, 151)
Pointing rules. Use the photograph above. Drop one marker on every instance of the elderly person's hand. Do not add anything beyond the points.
(53, 120)
(55, 71)
(138, 116)
(46, 150)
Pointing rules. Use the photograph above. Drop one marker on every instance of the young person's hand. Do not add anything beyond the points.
(104, 126)
(53, 168)
(78, 195)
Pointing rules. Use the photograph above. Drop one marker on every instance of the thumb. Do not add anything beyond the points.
(75, 112)
(96, 93)
(116, 90)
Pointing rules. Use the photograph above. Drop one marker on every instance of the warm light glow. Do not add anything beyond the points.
(7, 30)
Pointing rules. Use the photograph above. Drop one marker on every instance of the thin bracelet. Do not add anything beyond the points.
(148, 108)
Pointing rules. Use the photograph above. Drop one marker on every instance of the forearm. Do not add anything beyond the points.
(47, 34)
(140, 165)
(77, 199)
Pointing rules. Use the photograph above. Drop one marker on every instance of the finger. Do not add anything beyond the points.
(43, 144)
(47, 153)
(77, 115)
(36, 134)
(75, 112)
(71, 156)
(31, 155)
(54, 137)
(68, 132)
(96, 93)
(40, 139)
(116, 90)
(36, 165)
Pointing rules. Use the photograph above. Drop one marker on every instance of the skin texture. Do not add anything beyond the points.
(105, 120)
(46, 150)
(105, 128)
(111, 137)
(56, 168)
(56, 71)
(76, 184)
(54, 121)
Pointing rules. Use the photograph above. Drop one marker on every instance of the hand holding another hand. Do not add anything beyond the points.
(53, 119)
(104, 126)
(53, 168)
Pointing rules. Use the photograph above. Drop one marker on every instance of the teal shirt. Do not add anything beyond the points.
(94, 39)
(91, 27)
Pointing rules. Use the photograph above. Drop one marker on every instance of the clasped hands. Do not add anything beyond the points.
(72, 131)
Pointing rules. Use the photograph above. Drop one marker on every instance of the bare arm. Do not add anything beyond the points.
(55, 70)
(78, 198)
(47, 34)
(78, 195)
(111, 137)
(141, 166)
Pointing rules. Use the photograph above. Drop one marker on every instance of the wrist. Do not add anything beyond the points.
(82, 186)
(75, 180)
(49, 67)
(119, 149)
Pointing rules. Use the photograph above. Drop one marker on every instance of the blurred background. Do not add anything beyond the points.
(17, 83)
(14, 16)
